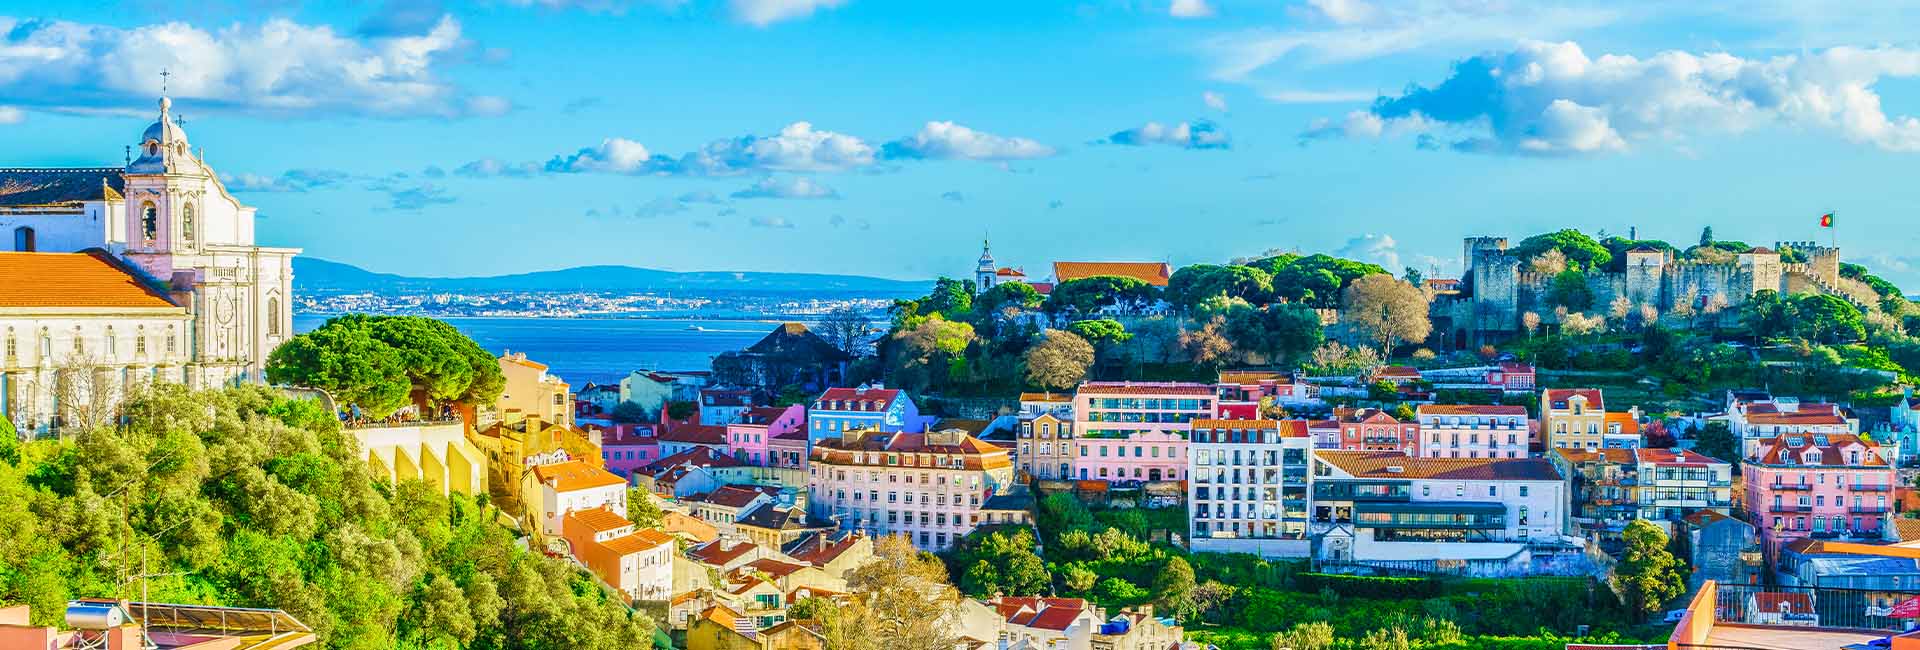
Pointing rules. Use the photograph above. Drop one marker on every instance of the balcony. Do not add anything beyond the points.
(1778, 487)
(1871, 487)
(1720, 482)
(1789, 507)
(1867, 510)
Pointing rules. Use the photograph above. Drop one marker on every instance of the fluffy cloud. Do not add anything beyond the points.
(614, 155)
(1198, 134)
(415, 197)
(1378, 249)
(792, 187)
(11, 115)
(276, 66)
(770, 222)
(1553, 99)
(761, 13)
(949, 140)
(1214, 100)
(1190, 9)
(294, 180)
(1341, 31)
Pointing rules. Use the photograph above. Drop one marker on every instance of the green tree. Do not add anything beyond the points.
(641, 510)
(1192, 285)
(1706, 236)
(629, 412)
(1823, 318)
(382, 363)
(1716, 440)
(1570, 290)
(1087, 296)
(1315, 279)
(1173, 588)
(1648, 574)
(1101, 331)
(1767, 315)
(1582, 252)
(1078, 578)
(950, 298)
(682, 409)
(1018, 295)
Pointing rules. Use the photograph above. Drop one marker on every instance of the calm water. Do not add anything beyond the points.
(602, 350)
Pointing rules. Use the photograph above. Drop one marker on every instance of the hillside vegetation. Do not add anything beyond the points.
(245, 498)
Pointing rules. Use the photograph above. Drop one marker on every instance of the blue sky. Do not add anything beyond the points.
(886, 138)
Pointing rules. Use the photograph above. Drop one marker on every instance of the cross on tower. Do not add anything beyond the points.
(163, 80)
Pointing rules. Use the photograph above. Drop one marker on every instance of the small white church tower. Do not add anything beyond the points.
(986, 273)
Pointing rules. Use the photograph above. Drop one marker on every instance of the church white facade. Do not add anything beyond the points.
(169, 284)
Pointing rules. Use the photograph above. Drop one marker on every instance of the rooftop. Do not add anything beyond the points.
(68, 280)
(1144, 388)
(1470, 409)
(575, 475)
(1153, 273)
(55, 186)
(1383, 464)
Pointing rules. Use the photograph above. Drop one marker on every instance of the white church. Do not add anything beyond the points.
(115, 276)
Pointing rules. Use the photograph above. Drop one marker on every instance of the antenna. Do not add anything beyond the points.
(164, 74)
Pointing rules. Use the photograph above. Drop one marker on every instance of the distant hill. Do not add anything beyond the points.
(312, 274)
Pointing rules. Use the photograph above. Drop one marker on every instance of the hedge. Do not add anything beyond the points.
(1368, 586)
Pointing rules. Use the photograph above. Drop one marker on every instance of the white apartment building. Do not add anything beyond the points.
(551, 491)
(1247, 487)
(1472, 431)
(927, 486)
(1388, 507)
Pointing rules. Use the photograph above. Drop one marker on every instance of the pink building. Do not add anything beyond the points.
(628, 447)
(1241, 391)
(1136, 431)
(749, 437)
(789, 450)
(1817, 485)
(1374, 430)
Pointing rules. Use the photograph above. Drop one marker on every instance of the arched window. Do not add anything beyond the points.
(140, 341)
(79, 342)
(13, 347)
(113, 344)
(23, 239)
(186, 223)
(171, 343)
(273, 316)
(149, 222)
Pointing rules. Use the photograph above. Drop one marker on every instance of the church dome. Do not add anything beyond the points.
(164, 130)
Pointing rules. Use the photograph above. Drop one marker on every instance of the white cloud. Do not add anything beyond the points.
(761, 13)
(1198, 134)
(1190, 9)
(1378, 249)
(770, 222)
(487, 167)
(613, 155)
(1345, 12)
(1553, 99)
(1214, 100)
(950, 140)
(294, 180)
(792, 187)
(278, 66)
(1291, 96)
(11, 115)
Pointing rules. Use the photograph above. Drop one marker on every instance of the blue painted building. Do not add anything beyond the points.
(864, 407)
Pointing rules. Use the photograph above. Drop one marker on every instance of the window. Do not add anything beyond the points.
(273, 316)
(149, 222)
(13, 345)
(1523, 490)
(186, 223)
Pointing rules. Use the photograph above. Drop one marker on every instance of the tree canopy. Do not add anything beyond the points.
(1648, 574)
(1315, 279)
(1059, 361)
(1194, 284)
(244, 498)
(1582, 251)
(1388, 310)
(1087, 295)
(382, 363)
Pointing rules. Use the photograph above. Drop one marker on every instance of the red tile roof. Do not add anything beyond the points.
(735, 496)
(719, 553)
(1832, 454)
(1561, 395)
(90, 279)
(1153, 273)
(1668, 457)
(696, 434)
(870, 400)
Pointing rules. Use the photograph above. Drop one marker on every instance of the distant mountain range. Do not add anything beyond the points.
(312, 274)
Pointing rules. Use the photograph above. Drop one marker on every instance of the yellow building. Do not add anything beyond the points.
(512, 448)
(437, 453)
(531, 392)
(1573, 418)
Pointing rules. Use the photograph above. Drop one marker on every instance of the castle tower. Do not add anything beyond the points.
(1645, 275)
(1495, 283)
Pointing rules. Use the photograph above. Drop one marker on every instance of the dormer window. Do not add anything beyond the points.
(1811, 457)
(153, 148)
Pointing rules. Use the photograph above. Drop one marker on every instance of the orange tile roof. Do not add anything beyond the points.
(1470, 409)
(638, 541)
(1251, 376)
(1628, 425)
(1606, 454)
(1153, 273)
(90, 279)
(1045, 397)
(600, 520)
(1131, 388)
(575, 475)
(522, 359)
(1378, 464)
(1552, 395)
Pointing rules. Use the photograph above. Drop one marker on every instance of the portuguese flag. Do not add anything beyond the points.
(1826, 220)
